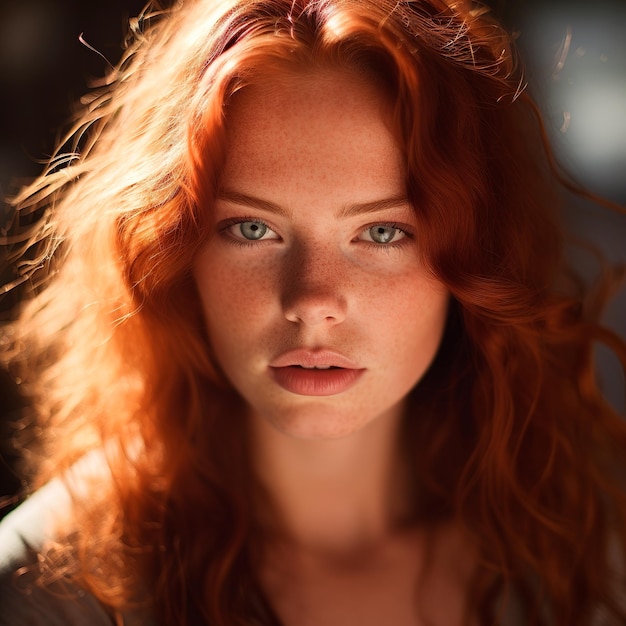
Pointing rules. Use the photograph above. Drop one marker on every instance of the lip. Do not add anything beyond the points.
(313, 358)
(288, 370)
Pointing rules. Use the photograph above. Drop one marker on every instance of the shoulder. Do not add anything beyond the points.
(24, 601)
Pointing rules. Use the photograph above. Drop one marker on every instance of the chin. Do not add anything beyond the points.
(316, 423)
(313, 425)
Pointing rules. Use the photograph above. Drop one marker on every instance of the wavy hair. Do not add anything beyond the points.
(508, 432)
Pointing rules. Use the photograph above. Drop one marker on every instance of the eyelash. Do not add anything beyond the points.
(408, 235)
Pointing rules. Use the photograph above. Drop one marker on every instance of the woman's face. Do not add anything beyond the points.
(314, 260)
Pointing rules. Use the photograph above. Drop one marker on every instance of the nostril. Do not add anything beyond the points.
(314, 309)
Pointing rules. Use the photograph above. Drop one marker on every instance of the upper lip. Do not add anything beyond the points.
(313, 358)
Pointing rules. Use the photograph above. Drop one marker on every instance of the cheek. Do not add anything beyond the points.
(415, 317)
(408, 300)
(232, 295)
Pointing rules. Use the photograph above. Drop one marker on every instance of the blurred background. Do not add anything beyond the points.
(575, 54)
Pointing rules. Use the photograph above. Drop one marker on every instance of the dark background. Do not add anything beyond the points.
(44, 69)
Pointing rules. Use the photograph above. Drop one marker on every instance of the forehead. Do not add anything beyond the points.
(324, 129)
(304, 97)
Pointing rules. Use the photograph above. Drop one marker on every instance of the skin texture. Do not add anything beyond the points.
(316, 147)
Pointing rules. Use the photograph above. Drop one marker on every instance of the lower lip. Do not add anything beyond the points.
(312, 382)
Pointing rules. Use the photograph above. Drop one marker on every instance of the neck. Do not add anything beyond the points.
(332, 495)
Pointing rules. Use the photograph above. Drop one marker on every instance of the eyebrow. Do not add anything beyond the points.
(245, 200)
(350, 210)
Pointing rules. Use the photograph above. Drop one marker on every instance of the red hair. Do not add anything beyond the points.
(508, 433)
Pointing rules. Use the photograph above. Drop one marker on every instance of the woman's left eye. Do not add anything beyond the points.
(383, 234)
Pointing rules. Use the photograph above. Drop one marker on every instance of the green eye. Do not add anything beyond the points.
(252, 230)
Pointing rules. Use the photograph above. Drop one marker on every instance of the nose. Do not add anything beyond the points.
(314, 288)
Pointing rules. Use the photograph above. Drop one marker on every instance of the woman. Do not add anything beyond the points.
(307, 350)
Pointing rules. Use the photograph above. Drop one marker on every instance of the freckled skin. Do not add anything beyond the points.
(314, 146)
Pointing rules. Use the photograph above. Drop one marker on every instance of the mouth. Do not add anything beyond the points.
(315, 372)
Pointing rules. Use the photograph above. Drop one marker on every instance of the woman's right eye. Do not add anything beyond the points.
(251, 230)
